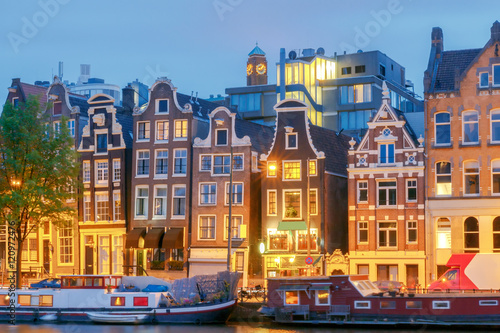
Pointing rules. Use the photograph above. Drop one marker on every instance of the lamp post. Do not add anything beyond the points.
(230, 222)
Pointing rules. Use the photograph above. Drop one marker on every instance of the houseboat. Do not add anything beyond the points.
(355, 300)
(125, 299)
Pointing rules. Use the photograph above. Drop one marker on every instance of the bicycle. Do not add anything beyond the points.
(256, 292)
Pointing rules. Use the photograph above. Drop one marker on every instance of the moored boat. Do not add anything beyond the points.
(355, 300)
(125, 299)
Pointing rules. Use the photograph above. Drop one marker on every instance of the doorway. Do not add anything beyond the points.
(46, 257)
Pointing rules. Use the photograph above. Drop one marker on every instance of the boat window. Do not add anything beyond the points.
(46, 300)
(88, 282)
(292, 297)
(322, 297)
(98, 282)
(413, 304)
(4, 299)
(113, 281)
(362, 305)
(140, 301)
(117, 301)
(440, 304)
(118, 281)
(360, 285)
(65, 282)
(388, 304)
(488, 303)
(451, 275)
(24, 299)
(107, 281)
(372, 286)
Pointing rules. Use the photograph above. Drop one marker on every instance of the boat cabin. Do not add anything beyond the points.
(90, 281)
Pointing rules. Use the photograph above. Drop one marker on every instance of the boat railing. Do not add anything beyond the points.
(287, 313)
(338, 311)
(138, 269)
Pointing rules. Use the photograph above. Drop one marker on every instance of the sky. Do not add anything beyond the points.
(203, 45)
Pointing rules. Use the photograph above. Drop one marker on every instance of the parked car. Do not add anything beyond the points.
(396, 286)
(47, 283)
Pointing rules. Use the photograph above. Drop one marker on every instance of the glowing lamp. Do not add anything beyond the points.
(262, 248)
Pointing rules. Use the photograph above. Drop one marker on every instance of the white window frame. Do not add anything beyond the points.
(141, 156)
(388, 232)
(157, 152)
(226, 195)
(497, 122)
(71, 127)
(64, 239)
(440, 305)
(299, 217)
(165, 131)
(174, 197)
(87, 207)
(480, 80)
(214, 219)
(102, 173)
(98, 133)
(217, 136)
(273, 232)
(488, 302)
(145, 200)
(147, 131)
(410, 186)
(157, 106)
(14, 101)
(362, 305)
(117, 214)
(57, 127)
(242, 162)
(359, 189)
(160, 197)
(200, 196)
(410, 226)
(285, 173)
(287, 138)
(315, 162)
(443, 233)
(209, 157)
(175, 174)
(183, 131)
(436, 124)
(117, 170)
(387, 189)
(437, 175)
(269, 164)
(86, 171)
(387, 153)
(223, 165)
(291, 304)
(226, 219)
(470, 122)
(359, 227)
(316, 298)
(314, 245)
(104, 206)
(465, 174)
(275, 203)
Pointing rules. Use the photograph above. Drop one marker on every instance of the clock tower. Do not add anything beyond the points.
(256, 67)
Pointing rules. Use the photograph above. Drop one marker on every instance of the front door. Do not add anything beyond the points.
(89, 259)
(140, 262)
(46, 256)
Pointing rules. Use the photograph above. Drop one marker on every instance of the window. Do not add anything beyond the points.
(488, 303)
(57, 107)
(221, 137)
(443, 178)
(86, 207)
(237, 198)
(160, 208)
(206, 163)
(207, 227)
(471, 234)
(291, 141)
(387, 234)
(143, 130)
(382, 70)
(387, 272)
(353, 120)
(411, 190)
(162, 130)
(46, 300)
(237, 162)
(291, 170)
(411, 230)
(363, 269)
(387, 193)
(240, 262)
(386, 153)
(362, 305)
(322, 297)
(346, 70)
(359, 69)
(86, 171)
(161, 106)
(302, 239)
(117, 206)
(272, 168)
(180, 161)
(222, 164)
(362, 232)
(292, 204)
(143, 162)
(71, 127)
(387, 304)
(362, 191)
(470, 121)
(443, 233)
(117, 301)
(313, 202)
(208, 194)
(30, 249)
(102, 143)
(278, 240)
(15, 102)
(496, 234)
(181, 129)
(312, 168)
(495, 126)
(179, 200)
(161, 162)
(271, 202)
(471, 177)
(117, 170)
(255, 162)
(237, 221)
(496, 75)
(57, 128)
(66, 245)
(484, 80)
(495, 175)
(141, 202)
(440, 305)
(102, 172)
(292, 297)
(141, 301)
(443, 128)
(413, 304)
(102, 206)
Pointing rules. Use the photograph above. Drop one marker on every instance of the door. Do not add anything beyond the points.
(140, 262)
(104, 255)
(46, 257)
(89, 259)
(411, 276)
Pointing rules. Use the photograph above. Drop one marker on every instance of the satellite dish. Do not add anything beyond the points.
(292, 55)
(320, 51)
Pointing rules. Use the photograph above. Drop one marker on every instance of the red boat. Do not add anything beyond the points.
(355, 300)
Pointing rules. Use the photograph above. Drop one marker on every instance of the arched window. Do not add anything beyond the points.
(496, 234)
(470, 132)
(471, 234)
(495, 126)
(495, 176)
(471, 177)
(443, 178)
(442, 121)
(443, 235)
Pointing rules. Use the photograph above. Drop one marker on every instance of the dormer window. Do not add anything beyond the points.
(291, 140)
(221, 137)
(57, 108)
(386, 153)
(102, 143)
(162, 106)
(15, 102)
(483, 80)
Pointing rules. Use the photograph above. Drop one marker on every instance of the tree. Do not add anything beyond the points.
(38, 169)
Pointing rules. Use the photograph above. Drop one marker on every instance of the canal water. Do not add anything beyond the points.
(230, 328)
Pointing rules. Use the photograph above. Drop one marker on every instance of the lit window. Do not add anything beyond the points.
(117, 301)
(46, 300)
(322, 297)
(180, 161)
(313, 202)
(162, 106)
(362, 232)
(179, 200)
(143, 162)
(207, 227)
(143, 130)
(471, 177)
(495, 175)
(411, 190)
(495, 126)
(117, 206)
(141, 202)
(278, 240)
(496, 234)
(237, 198)
(291, 140)
(206, 163)
(161, 162)
(292, 204)
(443, 235)
(117, 170)
(102, 206)
(484, 80)
(86, 171)
(386, 193)
(237, 221)
(272, 169)
(359, 93)
(181, 129)
(65, 245)
(386, 153)
(443, 128)
(443, 178)
(221, 137)
(292, 297)
(162, 131)
(362, 191)
(302, 239)
(387, 234)
(411, 231)
(86, 207)
(102, 172)
(271, 202)
(471, 234)
(312, 168)
(291, 170)
(160, 208)
(470, 127)
(208, 194)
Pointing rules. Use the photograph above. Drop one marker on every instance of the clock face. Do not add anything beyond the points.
(249, 69)
(261, 68)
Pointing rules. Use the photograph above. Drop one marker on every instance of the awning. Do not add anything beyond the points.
(293, 287)
(134, 236)
(320, 287)
(153, 238)
(173, 239)
(292, 225)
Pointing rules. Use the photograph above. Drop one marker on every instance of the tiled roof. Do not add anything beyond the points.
(450, 63)
(261, 136)
(126, 121)
(334, 146)
(81, 101)
(197, 104)
(257, 51)
(30, 89)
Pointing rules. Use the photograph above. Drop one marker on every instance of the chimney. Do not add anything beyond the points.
(437, 40)
(495, 31)
(282, 90)
(128, 101)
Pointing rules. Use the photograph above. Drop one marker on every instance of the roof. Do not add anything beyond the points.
(291, 104)
(257, 51)
(201, 107)
(335, 147)
(30, 89)
(452, 63)
(126, 121)
(261, 136)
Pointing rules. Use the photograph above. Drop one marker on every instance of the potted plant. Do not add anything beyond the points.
(108, 287)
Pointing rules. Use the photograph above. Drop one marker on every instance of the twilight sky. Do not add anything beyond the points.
(202, 45)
